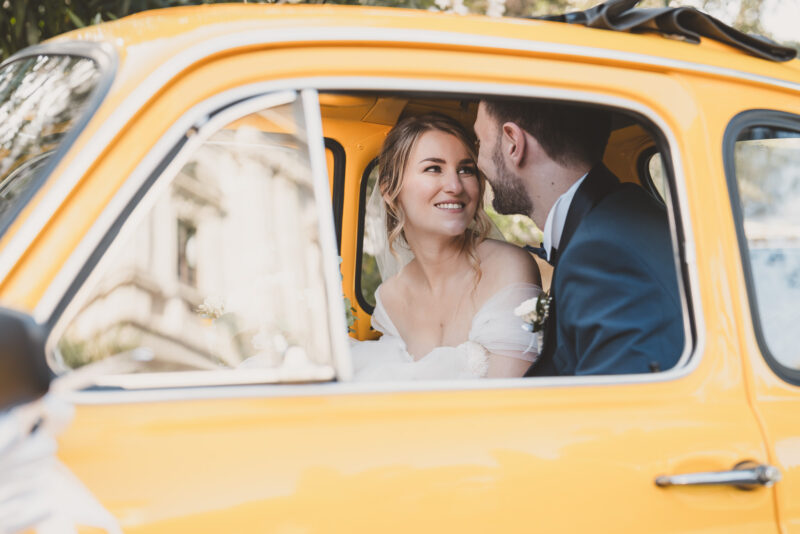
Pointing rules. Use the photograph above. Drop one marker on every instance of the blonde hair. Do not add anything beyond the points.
(392, 165)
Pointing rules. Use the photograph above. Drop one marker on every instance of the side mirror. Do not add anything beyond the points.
(24, 374)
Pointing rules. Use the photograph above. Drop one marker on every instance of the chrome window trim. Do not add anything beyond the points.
(101, 52)
(261, 391)
(691, 355)
(105, 58)
(158, 78)
(340, 350)
(216, 378)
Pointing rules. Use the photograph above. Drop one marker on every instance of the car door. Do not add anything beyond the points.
(205, 441)
(762, 151)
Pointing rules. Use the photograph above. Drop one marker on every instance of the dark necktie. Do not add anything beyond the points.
(542, 253)
(553, 257)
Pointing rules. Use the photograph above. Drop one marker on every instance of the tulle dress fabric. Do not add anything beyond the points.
(494, 330)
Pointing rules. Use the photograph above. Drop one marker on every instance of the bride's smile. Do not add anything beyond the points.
(451, 206)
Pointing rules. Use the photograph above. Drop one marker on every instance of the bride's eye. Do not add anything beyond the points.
(433, 168)
(467, 170)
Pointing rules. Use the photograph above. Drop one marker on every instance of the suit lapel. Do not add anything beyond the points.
(599, 183)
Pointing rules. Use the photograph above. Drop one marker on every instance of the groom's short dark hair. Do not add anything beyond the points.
(568, 133)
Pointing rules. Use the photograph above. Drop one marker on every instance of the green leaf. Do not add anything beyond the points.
(75, 20)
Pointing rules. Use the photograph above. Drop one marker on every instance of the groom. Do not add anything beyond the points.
(615, 304)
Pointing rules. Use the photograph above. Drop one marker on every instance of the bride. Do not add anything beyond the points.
(448, 312)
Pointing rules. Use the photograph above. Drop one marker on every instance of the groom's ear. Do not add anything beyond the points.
(514, 143)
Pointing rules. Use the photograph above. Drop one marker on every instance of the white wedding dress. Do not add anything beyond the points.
(494, 330)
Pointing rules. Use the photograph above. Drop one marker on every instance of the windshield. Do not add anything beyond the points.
(41, 99)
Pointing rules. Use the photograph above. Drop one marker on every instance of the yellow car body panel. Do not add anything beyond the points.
(508, 458)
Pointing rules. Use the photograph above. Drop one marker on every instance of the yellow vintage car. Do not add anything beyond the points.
(176, 190)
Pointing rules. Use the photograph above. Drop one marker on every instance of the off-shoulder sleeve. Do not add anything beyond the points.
(380, 319)
(500, 331)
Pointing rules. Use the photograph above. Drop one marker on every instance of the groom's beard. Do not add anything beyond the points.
(509, 194)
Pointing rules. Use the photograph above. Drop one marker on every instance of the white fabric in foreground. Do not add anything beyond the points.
(494, 330)
(36, 490)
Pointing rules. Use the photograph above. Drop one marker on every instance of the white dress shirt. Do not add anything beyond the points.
(554, 224)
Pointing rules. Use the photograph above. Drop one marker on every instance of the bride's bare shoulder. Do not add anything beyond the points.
(396, 288)
(507, 263)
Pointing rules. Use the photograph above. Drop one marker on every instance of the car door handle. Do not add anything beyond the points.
(744, 475)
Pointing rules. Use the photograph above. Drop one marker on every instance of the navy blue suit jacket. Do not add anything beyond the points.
(616, 307)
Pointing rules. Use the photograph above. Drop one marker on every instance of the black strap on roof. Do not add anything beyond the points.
(686, 22)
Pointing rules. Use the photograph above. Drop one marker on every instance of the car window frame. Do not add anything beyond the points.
(679, 223)
(337, 188)
(680, 228)
(739, 123)
(107, 62)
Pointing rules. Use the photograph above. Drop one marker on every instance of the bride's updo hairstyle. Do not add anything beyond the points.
(392, 164)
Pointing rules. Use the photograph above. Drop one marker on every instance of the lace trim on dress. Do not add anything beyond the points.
(477, 358)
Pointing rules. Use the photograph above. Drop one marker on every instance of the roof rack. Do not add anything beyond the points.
(686, 22)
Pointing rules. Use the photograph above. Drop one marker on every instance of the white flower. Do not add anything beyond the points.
(452, 6)
(212, 307)
(459, 7)
(534, 312)
(526, 308)
(495, 8)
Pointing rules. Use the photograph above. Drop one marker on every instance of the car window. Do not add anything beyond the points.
(219, 267)
(41, 99)
(369, 277)
(766, 165)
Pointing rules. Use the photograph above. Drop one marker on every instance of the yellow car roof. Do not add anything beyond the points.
(146, 40)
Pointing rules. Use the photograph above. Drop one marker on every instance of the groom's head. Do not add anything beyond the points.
(529, 150)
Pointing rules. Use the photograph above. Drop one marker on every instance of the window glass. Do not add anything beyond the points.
(221, 267)
(372, 240)
(767, 166)
(41, 98)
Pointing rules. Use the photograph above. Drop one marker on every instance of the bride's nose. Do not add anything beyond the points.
(452, 183)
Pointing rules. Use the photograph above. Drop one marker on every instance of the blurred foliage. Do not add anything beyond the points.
(370, 277)
(27, 22)
(517, 229)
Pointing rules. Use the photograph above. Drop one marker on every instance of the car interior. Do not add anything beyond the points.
(355, 125)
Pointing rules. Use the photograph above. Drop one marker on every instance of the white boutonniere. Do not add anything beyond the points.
(534, 312)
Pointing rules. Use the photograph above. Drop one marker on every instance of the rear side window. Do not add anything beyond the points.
(764, 167)
(41, 100)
